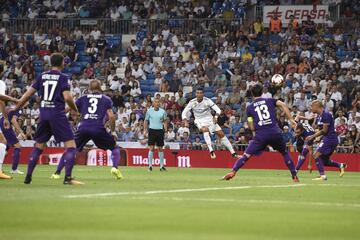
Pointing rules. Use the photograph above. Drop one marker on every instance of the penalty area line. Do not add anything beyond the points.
(111, 194)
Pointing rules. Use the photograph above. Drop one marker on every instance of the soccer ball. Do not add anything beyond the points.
(277, 79)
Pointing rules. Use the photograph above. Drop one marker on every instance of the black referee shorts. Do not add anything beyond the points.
(156, 137)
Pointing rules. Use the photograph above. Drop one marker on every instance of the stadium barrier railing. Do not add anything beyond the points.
(121, 26)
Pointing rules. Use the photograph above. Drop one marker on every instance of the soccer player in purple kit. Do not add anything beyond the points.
(262, 121)
(12, 139)
(54, 90)
(329, 140)
(95, 108)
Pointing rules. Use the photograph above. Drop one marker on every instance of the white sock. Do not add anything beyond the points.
(2, 154)
(225, 141)
(207, 139)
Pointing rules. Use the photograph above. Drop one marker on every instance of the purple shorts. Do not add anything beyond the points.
(327, 146)
(59, 127)
(99, 136)
(9, 135)
(259, 143)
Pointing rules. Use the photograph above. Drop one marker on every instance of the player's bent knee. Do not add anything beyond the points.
(70, 144)
(220, 134)
(204, 129)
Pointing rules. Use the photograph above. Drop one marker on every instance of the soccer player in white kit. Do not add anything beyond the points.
(3, 99)
(207, 123)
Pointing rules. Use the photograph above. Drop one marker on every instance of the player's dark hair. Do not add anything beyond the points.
(299, 126)
(257, 90)
(56, 59)
(200, 89)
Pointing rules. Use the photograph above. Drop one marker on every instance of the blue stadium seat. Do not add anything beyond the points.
(209, 94)
(75, 70)
(83, 58)
(236, 106)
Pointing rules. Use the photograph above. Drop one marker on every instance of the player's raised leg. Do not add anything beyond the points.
(225, 141)
(2, 156)
(302, 157)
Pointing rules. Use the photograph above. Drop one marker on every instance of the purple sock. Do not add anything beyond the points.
(320, 165)
(34, 157)
(239, 163)
(331, 163)
(60, 165)
(302, 158)
(289, 163)
(115, 156)
(16, 159)
(69, 160)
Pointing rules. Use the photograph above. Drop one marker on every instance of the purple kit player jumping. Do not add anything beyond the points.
(94, 109)
(54, 90)
(262, 121)
(329, 141)
(12, 139)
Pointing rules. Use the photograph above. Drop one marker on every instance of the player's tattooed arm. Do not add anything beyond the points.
(25, 98)
(286, 110)
(323, 131)
(70, 101)
(7, 98)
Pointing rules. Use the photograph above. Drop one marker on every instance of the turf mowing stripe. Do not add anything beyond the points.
(94, 195)
(327, 204)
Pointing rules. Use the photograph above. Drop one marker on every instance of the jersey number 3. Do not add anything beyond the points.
(262, 112)
(93, 105)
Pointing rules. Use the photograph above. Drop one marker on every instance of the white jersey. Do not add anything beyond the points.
(201, 110)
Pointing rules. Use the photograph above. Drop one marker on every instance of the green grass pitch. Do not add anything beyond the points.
(180, 204)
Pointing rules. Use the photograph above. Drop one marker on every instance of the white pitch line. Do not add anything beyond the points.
(110, 194)
(220, 200)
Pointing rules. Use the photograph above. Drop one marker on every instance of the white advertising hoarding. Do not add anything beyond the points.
(300, 13)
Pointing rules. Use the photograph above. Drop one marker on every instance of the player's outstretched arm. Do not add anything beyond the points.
(323, 131)
(25, 98)
(7, 98)
(70, 101)
(286, 110)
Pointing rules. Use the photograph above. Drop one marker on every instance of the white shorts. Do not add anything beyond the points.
(209, 123)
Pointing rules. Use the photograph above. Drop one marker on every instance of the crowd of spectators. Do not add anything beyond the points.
(321, 62)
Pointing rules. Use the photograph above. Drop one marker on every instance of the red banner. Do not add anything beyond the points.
(191, 158)
(201, 159)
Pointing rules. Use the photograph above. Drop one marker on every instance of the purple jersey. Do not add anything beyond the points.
(327, 118)
(11, 114)
(50, 87)
(93, 109)
(263, 113)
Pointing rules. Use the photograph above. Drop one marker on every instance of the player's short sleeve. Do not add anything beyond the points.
(109, 104)
(147, 115)
(37, 84)
(65, 86)
(327, 118)
(2, 87)
(248, 111)
(78, 103)
(273, 101)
